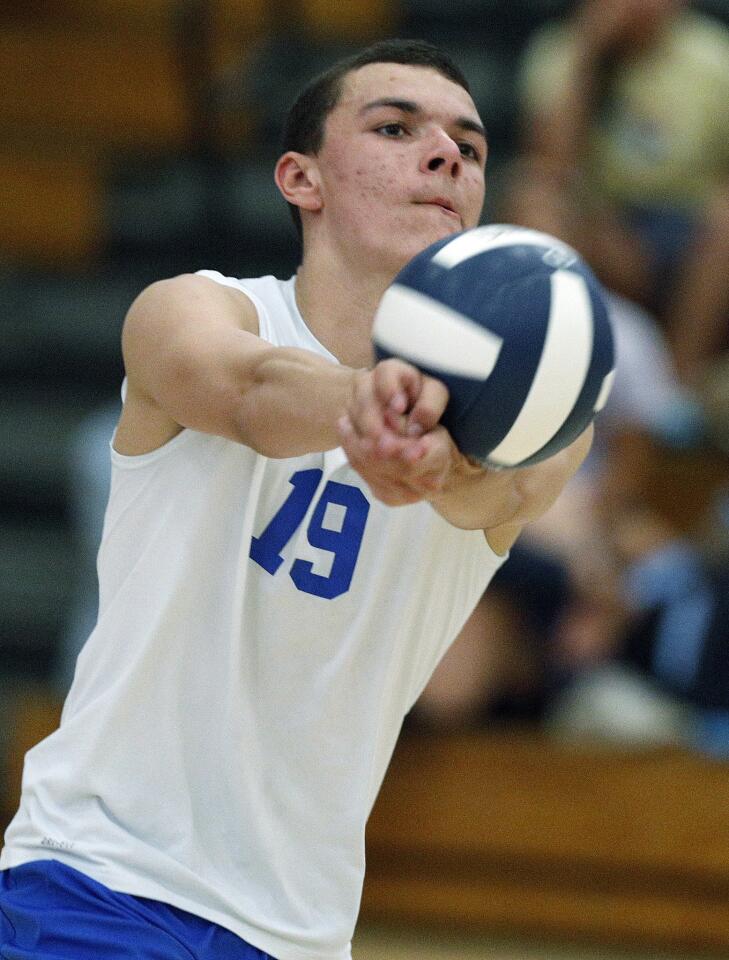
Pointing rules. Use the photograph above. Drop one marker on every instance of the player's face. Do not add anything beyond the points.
(401, 164)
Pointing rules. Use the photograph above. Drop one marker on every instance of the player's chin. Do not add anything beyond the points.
(440, 222)
(421, 238)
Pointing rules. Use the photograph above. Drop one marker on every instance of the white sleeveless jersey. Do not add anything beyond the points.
(264, 626)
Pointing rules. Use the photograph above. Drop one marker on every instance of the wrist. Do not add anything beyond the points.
(461, 469)
(473, 497)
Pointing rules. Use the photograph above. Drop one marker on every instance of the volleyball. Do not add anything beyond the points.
(515, 323)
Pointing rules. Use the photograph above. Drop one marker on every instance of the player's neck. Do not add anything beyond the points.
(338, 303)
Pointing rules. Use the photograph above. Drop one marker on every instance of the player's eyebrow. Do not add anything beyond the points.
(410, 106)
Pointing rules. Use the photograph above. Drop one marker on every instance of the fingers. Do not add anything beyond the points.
(387, 446)
(396, 395)
(403, 470)
(428, 406)
(397, 384)
(390, 432)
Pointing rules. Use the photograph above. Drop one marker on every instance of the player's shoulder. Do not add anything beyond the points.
(197, 296)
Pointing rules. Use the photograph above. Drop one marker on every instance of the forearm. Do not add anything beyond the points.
(476, 499)
(291, 403)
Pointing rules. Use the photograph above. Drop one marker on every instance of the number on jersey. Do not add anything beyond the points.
(343, 543)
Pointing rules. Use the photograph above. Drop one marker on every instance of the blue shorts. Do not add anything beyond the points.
(49, 911)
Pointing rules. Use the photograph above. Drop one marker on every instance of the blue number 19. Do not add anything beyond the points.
(344, 543)
(266, 549)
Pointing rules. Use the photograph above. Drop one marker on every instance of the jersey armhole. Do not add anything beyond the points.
(264, 325)
(130, 461)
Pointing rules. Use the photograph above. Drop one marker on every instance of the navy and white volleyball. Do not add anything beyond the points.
(515, 324)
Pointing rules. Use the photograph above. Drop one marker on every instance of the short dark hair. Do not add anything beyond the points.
(304, 126)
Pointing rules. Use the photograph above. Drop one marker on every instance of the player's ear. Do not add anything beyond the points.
(297, 177)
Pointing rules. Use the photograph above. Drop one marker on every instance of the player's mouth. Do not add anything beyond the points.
(442, 203)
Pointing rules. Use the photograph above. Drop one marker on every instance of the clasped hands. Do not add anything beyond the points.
(392, 437)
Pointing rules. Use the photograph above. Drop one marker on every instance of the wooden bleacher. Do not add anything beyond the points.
(51, 206)
(347, 19)
(29, 717)
(70, 97)
(515, 833)
(87, 81)
(91, 87)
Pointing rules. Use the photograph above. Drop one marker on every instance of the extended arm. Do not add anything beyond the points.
(193, 359)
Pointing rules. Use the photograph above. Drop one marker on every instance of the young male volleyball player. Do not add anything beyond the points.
(290, 545)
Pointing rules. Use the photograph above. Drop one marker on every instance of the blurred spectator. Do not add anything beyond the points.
(663, 518)
(625, 113)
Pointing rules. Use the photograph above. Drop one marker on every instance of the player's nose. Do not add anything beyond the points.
(441, 153)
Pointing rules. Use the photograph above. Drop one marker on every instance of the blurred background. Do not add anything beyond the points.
(564, 774)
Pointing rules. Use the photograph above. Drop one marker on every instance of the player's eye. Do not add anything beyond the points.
(394, 130)
(468, 150)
